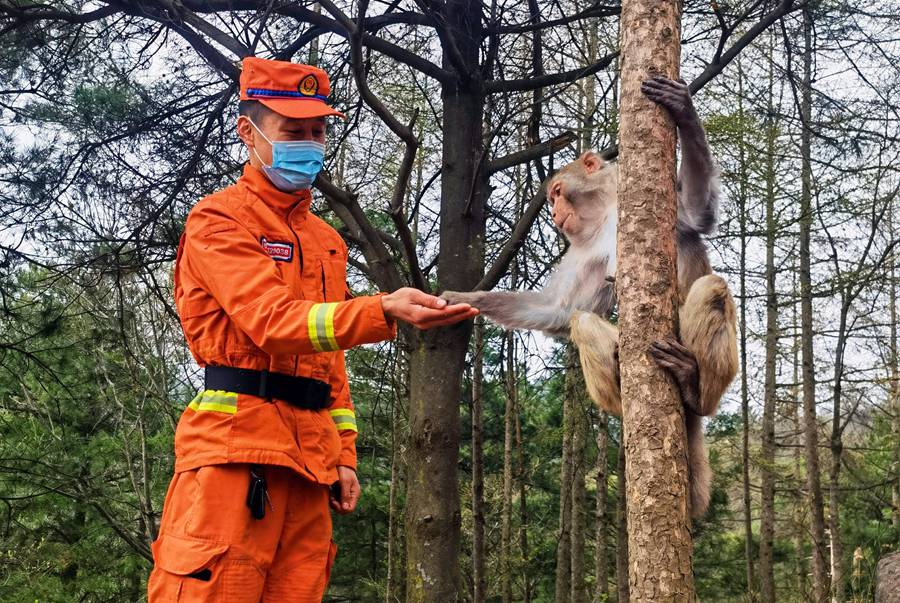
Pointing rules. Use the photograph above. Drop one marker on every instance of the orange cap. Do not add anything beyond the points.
(290, 89)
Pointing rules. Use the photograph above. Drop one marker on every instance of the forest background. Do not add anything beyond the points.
(485, 468)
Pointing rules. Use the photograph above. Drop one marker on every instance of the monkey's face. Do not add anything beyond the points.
(562, 210)
(572, 195)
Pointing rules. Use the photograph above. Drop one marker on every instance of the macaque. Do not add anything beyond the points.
(582, 200)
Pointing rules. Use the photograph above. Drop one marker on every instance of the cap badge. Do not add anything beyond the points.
(309, 86)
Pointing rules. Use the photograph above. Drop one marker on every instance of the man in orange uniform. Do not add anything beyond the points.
(260, 288)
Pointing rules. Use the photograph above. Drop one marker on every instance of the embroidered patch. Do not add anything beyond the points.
(282, 252)
(309, 86)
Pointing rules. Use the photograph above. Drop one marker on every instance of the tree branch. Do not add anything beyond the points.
(516, 239)
(495, 86)
(537, 151)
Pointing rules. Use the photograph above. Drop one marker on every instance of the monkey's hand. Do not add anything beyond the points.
(674, 96)
(463, 297)
(682, 365)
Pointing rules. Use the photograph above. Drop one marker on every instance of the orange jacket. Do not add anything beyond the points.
(260, 283)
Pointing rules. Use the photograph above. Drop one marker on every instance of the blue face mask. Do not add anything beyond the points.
(295, 163)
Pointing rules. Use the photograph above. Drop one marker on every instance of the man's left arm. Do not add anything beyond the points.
(344, 417)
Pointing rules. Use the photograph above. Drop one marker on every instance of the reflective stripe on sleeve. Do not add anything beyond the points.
(344, 419)
(215, 399)
(320, 326)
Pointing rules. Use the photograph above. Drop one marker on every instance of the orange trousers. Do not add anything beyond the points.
(210, 548)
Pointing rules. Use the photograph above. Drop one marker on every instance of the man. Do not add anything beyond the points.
(261, 292)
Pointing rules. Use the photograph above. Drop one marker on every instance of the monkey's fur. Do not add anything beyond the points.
(582, 198)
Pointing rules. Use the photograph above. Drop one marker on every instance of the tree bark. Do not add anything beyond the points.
(564, 543)
(508, 433)
(601, 557)
(655, 443)
(894, 388)
(767, 464)
(622, 591)
(579, 593)
(478, 581)
(401, 398)
(743, 181)
(810, 423)
(437, 362)
(522, 476)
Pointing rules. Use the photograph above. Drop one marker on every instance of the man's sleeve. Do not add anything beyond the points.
(343, 414)
(228, 260)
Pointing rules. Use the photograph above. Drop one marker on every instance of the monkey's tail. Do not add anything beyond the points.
(699, 473)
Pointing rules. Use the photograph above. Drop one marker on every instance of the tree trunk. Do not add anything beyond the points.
(622, 590)
(522, 477)
(810, 424)
(601, 559)
(743, 180)
(478, 465)
(894, 388)
(508, 433)
(579, 592)
(401, 398)
(437, 362)
(767, 464)
(564, 543)
(799, 520)
(655, 442)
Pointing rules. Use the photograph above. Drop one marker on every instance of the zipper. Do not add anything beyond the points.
(300, 270)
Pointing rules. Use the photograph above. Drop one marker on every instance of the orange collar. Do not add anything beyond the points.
(255, 180)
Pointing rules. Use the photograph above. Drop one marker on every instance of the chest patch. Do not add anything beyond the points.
(280, 251)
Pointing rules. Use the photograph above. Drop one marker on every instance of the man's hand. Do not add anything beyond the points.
(423, 311)
(345, 492)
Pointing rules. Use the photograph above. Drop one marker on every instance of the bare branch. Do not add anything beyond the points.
(516, 239)
(495, 86)
(533, 152)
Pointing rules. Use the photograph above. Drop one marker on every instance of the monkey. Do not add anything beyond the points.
(580, 294)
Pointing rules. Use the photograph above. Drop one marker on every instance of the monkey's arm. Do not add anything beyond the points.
(529, 310)
(698, 180)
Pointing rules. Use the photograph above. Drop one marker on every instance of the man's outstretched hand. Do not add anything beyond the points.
(423, 311)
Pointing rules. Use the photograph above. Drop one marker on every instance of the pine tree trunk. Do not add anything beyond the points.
(564, 543)
(622, 590)
(894, 389)
(601, 558)
(743, 180)
(401, 398)
(478, 581)
(437, 362)
(767, 464)
(810, 423)
(522, 477)
(800, 529)
(579, 592)
(508, 434)
(659, 535)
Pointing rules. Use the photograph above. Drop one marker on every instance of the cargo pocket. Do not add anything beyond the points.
(187, 569)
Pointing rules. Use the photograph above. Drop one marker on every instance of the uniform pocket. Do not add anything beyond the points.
(334, 275)
(187, 569)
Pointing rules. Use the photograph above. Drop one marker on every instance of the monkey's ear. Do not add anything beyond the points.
(592, 162)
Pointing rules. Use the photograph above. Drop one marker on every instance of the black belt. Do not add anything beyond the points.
(302, 392)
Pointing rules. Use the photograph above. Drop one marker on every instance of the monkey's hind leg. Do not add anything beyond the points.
(596, 340)
(707, 329)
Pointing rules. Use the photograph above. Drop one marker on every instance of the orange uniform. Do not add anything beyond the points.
(260, 283)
